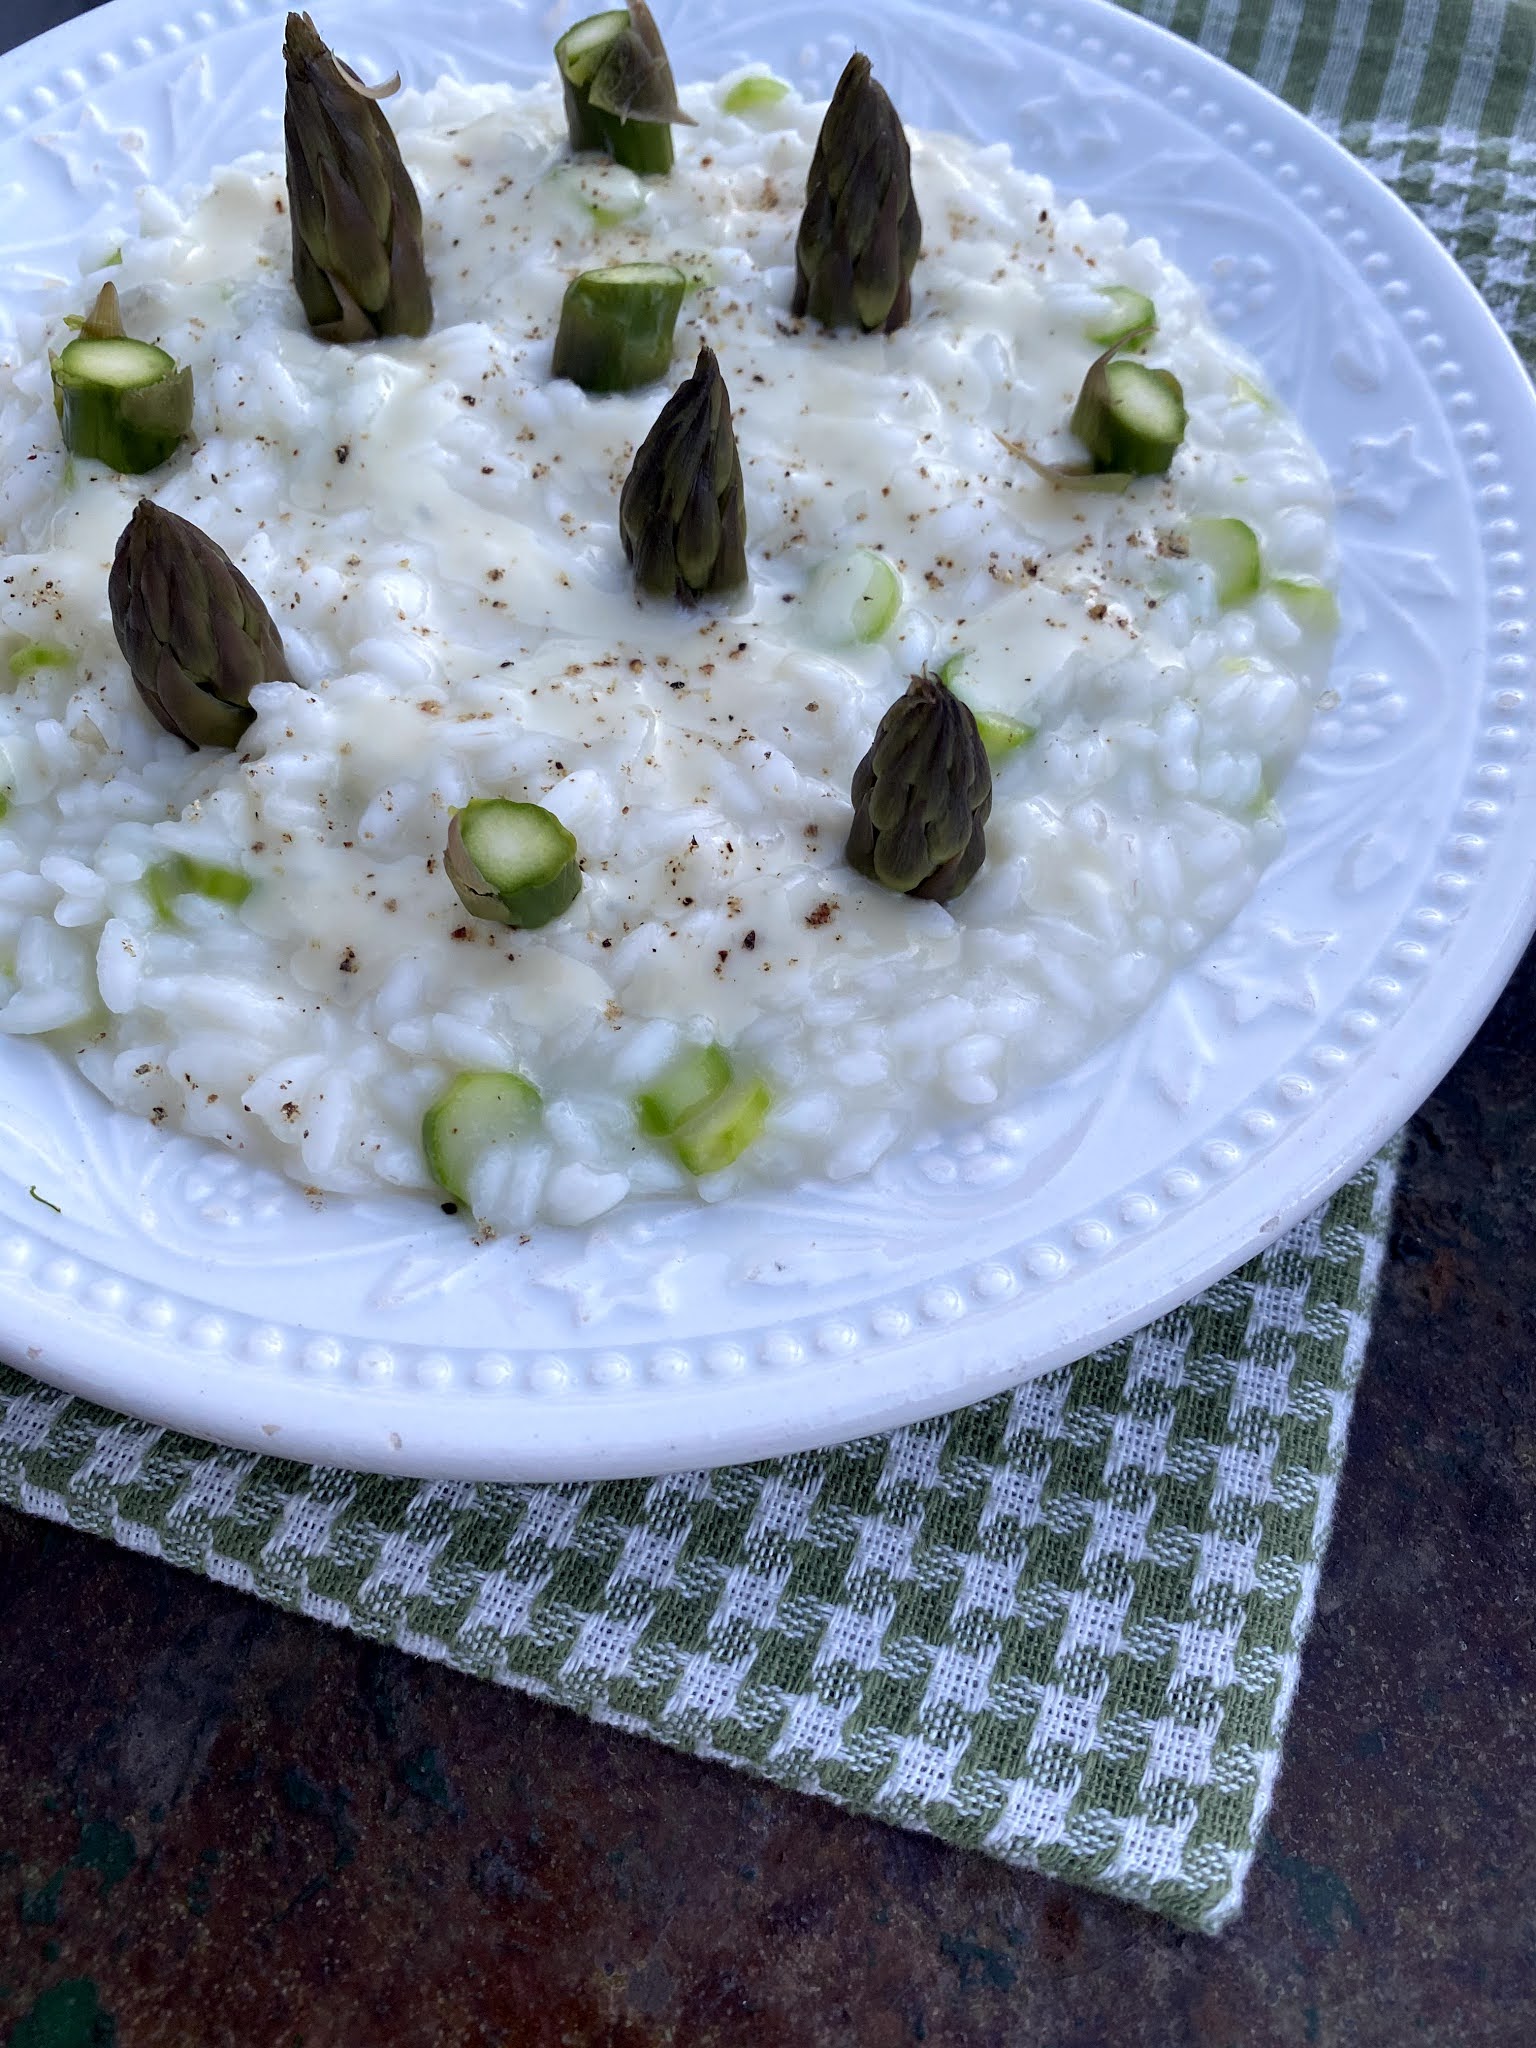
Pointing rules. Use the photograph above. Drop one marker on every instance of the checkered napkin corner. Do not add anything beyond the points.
(1438, 98)
(1062, 1627)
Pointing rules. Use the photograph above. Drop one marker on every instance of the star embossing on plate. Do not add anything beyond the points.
(1387, 473)
(1270, 968)
(1076, 119)
(95, 157)
(617, 1269)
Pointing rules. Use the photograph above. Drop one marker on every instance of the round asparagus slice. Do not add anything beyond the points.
(1230, 548)
(1002, 735)
(1130, 419)
(120, 401)
(512, 863)
(607, 195)
(720, 1132)
(1311, 604)
(474, 1113)
(695, 1079)
(1125, 313)
(760, 89)
(999, 733)
(853, 598)
(616, 326)
(619, 94)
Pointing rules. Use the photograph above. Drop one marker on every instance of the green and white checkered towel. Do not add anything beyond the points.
(1064, 1626)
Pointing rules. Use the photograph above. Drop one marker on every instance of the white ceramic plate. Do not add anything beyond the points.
(179, 1284)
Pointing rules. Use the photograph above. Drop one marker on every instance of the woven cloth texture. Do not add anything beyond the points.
(1063, 1627)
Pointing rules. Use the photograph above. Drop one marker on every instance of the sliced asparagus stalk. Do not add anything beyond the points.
(720, 1132)
(1000, 733)
(1248, 393)
(616, 326)
(698, 1075)
(853, 598)
(606, 194)
(27, 661)
(761, 89)
(1311, 604)
(119, 401)
(619, 94)
(180, 875)
(472, 1114)
(1131, 419)
(512, 863)
(1263, 803)
(1230, 548)
(1126, 314)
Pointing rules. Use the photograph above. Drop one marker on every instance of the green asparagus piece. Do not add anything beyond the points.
(922, 796)
(1230, 548)
(1311, 604)
(605, 195)
(121, 402)
(761, 89)
(616, 326)
(682, 512)
(717, 1135)
(860, 232)
(619, 92)
(358, 261)
(1127, 315)
(196, 637)
(472, 1114)
(1001, 734)
(512, 863)
(853, 598)
(167, 881)
(689, 1084)
(1129, 418)
(26, 661)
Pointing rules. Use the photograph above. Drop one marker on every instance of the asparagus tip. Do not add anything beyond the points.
(104, 322)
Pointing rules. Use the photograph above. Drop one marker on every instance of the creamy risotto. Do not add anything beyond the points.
(434, 525)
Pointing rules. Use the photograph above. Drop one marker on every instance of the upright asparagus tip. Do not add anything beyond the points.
(196, 637)
(104, 322)
(682, 514)
(922, 796)
(358, 261)
(861, 232)
(302, 41)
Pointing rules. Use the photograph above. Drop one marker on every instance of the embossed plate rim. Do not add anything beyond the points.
(599, 1411)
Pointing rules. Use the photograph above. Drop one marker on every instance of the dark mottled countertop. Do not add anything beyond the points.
(220, 1825)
